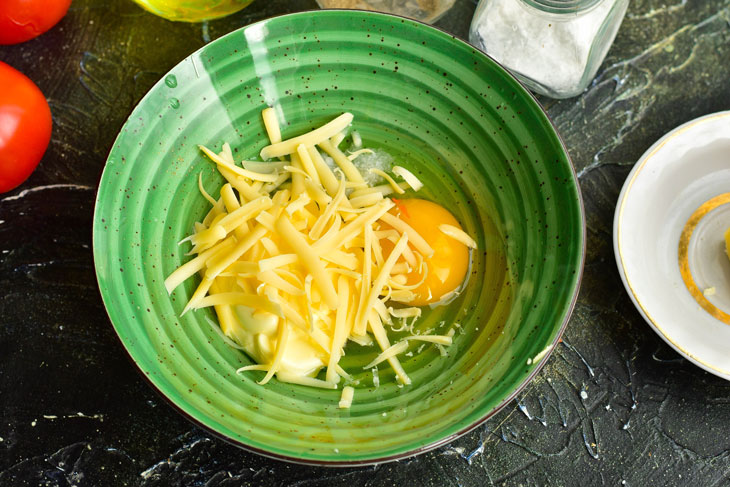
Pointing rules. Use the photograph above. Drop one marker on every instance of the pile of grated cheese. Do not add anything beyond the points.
(302, 245)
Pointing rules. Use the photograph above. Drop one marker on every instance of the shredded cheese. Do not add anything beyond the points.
(440, 339)
(254, 176)
(384, 189)
(271, 123)
(457, 234)
(346, 398)
(408, 177)
(264, 167)
(312, 138)
(291, 259)
(280, 260)
(342, 161)
(338, 138)
(353, 155)
(418, 241)
(356, 139)
(389, 179)
(304, 380)
(405, 312)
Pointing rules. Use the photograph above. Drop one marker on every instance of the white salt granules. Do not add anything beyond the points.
(379, 159)
(557, 52)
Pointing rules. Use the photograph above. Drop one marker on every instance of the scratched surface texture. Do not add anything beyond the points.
(613, 406)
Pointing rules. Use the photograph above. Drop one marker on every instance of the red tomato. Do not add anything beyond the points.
(25, 127)
(21, 20)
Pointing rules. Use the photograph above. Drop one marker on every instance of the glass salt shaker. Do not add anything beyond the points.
(553, 46)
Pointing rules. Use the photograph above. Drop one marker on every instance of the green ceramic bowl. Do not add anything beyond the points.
(474, 135)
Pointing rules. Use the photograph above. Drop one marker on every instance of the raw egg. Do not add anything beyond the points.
(447, 267)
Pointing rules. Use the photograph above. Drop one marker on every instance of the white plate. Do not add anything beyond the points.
(681, 187)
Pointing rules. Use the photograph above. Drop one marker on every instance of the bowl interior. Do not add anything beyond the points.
(479, 141)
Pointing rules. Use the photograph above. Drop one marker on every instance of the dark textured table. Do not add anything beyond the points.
(613, 406)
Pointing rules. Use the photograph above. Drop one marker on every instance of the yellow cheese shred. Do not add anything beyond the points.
(418, 241)
(312, 138)
(342, 161)
(354, 155)
(408, 177)
(341, 330)
(241, 299)
(309, 258)
(280, 260)
(380, 280)
(281, 342)
(271, 123)
(304, 380)
(457, 234)
(388, 178)
(255, 176)
(346, 398)
(188, 269)
(290, 257)
(440, 339)
(329, 181)
(389, 352)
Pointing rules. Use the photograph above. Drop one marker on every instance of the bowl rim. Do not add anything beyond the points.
(619, 249)
(537, 367)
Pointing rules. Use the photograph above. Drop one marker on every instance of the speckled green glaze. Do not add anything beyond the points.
(479, 141)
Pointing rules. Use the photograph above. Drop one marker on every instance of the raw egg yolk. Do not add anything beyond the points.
(447, 267)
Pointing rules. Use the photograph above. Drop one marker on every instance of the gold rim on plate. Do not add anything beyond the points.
(683, 256)
(622, 206)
